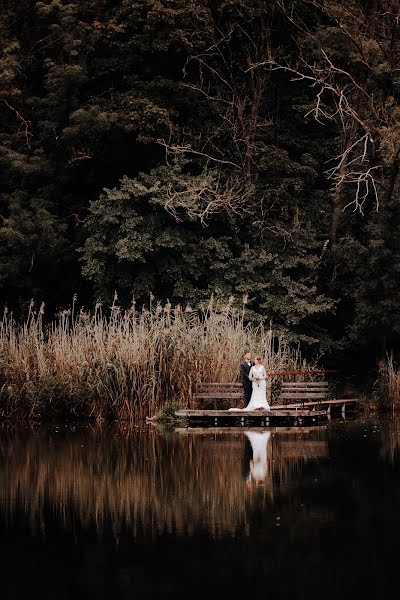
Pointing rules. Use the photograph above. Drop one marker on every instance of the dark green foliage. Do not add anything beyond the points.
(86, 93)
(162, 146)
(136, 245)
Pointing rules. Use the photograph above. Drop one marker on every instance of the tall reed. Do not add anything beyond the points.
(126, 364)
(392, 378)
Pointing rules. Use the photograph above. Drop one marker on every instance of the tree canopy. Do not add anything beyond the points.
(185, 148)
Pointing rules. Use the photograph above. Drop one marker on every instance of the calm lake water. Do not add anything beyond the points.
(141, 513)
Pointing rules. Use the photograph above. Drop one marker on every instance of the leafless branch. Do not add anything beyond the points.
(24, 122)
(175, 150)
(341, 98)
(79, 155)
(363, 181)
(204, 198)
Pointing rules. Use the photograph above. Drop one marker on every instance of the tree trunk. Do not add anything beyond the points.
(347, 142)
(337, 205)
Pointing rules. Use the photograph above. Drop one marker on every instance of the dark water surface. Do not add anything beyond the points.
(140, 513)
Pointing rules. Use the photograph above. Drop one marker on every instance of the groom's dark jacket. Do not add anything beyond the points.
(244, 371)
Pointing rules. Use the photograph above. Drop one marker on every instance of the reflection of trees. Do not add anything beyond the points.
(142, 479)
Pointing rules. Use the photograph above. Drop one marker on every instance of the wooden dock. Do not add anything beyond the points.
(299, 403)
(257, 418)
(336, 405)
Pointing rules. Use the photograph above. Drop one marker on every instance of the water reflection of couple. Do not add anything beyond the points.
(255, 461)
(254, 379)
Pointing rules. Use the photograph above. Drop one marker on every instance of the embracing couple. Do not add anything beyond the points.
(254, 382)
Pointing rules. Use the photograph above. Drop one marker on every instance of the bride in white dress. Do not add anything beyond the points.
(257, 376)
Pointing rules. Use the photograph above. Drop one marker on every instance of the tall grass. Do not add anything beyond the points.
(391, 378)
(126, 364)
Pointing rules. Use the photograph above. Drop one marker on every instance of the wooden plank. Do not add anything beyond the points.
(221, 396)
(216, 392)
(304, 389)
(303, 393)
(220, 383)
(338, 403)
(300, 394)
(248, 413)
(305, 383)
(310, 396)
(217, 385)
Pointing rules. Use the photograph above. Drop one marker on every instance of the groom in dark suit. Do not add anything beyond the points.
(245, 367)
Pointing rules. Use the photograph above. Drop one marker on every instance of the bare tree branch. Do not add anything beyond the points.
(343, 95)
(24, 122)
(235, 95)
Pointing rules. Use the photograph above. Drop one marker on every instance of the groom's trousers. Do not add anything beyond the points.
(247, 390)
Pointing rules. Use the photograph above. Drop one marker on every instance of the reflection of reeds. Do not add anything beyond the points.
(126, 364)
(135, 479)
(390, 438)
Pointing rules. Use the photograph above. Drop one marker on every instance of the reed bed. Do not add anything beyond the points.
(392, 377)
(126, 364)
(386, 389)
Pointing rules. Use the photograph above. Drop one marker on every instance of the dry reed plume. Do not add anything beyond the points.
(390, 377)
(126, 364)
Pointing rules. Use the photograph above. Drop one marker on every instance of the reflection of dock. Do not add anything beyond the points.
(260, 418)
(219, 430)
(289, 443)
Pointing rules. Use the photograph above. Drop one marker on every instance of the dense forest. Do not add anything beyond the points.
(182, 148)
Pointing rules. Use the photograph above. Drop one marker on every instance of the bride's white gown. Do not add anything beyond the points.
(259, 395)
